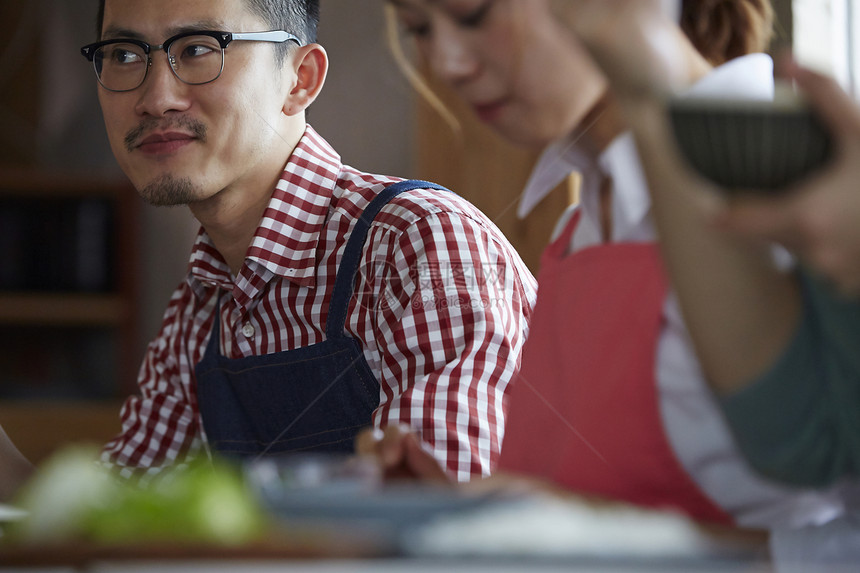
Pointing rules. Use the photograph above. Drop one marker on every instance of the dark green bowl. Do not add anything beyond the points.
(750, 146)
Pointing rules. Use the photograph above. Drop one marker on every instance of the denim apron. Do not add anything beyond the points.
(314, 398)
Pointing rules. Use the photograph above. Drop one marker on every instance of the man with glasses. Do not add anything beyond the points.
(319, 299)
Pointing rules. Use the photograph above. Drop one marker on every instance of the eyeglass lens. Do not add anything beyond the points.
(194, 60)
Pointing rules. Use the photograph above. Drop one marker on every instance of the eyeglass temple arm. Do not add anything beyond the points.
(273, 36)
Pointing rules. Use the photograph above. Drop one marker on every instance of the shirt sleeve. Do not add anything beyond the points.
(800, 422)
(159, 425)
(451, 321)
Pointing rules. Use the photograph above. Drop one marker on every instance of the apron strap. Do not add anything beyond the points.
(345, 280)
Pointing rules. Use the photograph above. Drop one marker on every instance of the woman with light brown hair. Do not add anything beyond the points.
(610, 399)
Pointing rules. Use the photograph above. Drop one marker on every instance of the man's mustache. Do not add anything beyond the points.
(135, 136)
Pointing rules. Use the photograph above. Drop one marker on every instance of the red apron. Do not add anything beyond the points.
(584, 410)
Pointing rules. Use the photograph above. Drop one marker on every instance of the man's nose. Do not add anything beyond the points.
(161, 91)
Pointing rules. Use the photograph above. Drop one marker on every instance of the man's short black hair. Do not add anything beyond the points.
(298, 17)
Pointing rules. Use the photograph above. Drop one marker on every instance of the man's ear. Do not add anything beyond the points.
(310, 67)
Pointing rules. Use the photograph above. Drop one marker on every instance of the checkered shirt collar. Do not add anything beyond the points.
(285, 243)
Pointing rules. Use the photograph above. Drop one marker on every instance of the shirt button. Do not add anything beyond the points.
(248, 330)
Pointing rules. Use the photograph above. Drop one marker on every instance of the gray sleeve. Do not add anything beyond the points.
(800, 421)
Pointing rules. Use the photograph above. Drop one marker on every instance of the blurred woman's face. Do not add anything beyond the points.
(510, 60)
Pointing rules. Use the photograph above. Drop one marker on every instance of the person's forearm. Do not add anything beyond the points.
(15, 469)
(740, 310)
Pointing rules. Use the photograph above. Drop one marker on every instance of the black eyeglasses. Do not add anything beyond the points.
(195, 57)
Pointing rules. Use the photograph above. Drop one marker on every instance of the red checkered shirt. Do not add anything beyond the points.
(443, 346)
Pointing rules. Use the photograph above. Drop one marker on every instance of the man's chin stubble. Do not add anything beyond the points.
(169, 191)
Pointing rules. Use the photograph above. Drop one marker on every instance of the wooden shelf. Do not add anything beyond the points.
(62, 309)
(39, 429)
(79, 344)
